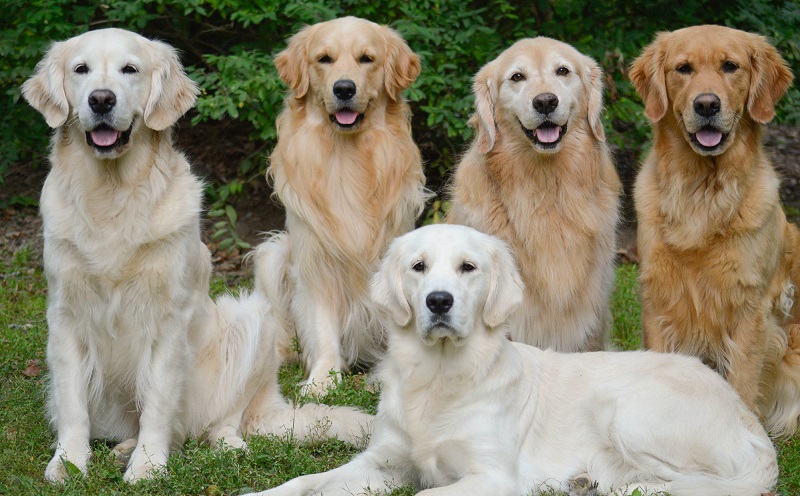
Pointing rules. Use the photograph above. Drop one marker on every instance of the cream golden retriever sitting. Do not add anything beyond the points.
(719, 271)
(350, 177)
(464, 411)
(138, 353)
(539, 176)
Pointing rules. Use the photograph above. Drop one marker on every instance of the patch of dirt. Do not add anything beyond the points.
(216, 148)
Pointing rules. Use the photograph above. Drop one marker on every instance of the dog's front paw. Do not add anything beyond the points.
(144, 465)
(61, 467)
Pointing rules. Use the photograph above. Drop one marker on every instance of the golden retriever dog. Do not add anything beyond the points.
(718, 270)
(350, 176)
(464, 411)
(138, 352)
(539, 176)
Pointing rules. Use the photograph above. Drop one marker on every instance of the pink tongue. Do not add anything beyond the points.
(346, 117)
(105, 137)
(548, 134)
(709, 137)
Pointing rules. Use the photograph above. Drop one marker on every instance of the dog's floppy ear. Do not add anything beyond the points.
(386, 286)
(45, 89)
(505, 286)
(401, 66)
(593, 85)
(647, 76)
(292, 63)
(486, 91)
(172, 93)
(769, 80)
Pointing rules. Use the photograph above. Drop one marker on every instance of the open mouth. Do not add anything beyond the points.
(547, 135)
(708, 138)
(105, 138)
(346, 118)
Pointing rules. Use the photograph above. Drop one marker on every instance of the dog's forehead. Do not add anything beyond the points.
(447, 244)
(347, 35)
(541, 54)
(706, 46)
(108, 45)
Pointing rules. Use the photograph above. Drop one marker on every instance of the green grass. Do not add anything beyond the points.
(198, 469)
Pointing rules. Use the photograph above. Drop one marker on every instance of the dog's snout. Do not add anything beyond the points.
(344, 89)
(439, 302)
(545, 103)
(707, 104)
(102, 101)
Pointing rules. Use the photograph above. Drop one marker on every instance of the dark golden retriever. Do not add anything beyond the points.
(718, 272)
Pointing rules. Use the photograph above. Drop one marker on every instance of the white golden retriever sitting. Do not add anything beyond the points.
(464, 411)
(138, 352)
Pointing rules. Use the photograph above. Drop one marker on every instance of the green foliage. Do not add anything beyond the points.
(229, 46)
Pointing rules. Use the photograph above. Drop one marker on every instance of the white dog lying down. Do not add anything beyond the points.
(465, 411)
(138, 352)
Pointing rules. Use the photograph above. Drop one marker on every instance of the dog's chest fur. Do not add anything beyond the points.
(559, 216)
(103, 240)
(353, 192)
(446, 412)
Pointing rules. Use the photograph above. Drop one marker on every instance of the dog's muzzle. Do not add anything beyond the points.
(706, 108)
(104, 137)
(345, 117)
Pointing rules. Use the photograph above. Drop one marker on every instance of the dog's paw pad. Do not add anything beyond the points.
(582, 486)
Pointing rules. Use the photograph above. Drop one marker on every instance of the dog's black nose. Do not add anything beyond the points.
(439, 302)
(707, 104)
(344, 89)
(102, 101)
(545, 103)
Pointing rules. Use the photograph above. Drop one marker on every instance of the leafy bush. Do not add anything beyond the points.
(228, 48)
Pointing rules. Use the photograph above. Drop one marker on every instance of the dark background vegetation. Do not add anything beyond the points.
(228, 46)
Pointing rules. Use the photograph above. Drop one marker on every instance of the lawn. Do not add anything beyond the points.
(25, 438)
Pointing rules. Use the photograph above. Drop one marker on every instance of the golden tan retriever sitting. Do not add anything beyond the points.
(350, 177)
(138, 353)
(540, 177)
(718, 273)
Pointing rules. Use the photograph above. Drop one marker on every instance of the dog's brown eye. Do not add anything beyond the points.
(562, 71)
(517, 77)
(81, 69)
(684, 69)
(365, 59)
(729, 66)
(419, 266)
(467, 267)
(324, 59)
(129, 69)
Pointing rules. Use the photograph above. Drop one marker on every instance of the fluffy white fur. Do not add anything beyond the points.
(138, 352)
(464, 411)
(348, 189)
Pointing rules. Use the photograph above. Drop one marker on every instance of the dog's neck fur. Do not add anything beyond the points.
(444, 363)
(711, 188)
(127, 169)
(378, 164)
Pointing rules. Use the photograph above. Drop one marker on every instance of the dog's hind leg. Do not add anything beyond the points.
(783, 418)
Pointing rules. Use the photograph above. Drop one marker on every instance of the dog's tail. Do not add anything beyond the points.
(271, 266)
(312, 423)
